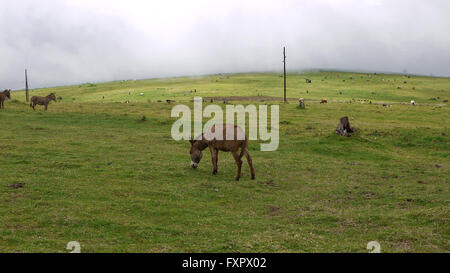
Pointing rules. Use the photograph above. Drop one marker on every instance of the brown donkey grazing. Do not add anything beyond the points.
(42, 100)
(5, 95)
(223, 142)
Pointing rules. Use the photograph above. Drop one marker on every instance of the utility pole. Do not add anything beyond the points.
(284, 63)
(27, 95)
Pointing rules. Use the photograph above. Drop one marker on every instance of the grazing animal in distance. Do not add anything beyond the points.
(218, 137)
(301, 103)
(413, 103)
(323, 101)
(42, 100)
(4, 96)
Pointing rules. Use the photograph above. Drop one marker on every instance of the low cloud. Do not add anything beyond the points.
(65, 42)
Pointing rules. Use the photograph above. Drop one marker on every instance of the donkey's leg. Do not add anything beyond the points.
(46, 106)
(238, 163)
(216, 160)
(213, 159)
(249, 161)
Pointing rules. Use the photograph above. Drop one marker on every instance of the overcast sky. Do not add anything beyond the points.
(63, 42)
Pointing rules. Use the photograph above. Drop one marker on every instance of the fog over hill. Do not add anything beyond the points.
(64, 42)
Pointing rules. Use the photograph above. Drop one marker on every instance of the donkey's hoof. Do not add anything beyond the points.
(237, 178)
(214, 172)
(253, 177)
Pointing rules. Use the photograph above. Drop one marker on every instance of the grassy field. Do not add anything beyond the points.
(92, 170)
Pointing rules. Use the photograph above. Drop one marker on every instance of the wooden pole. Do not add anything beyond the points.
(27, 95)
(284, 69)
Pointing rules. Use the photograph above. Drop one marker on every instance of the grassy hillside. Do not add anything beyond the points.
(92, 170)
(330, 85)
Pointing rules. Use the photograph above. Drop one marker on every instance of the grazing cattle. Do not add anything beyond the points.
(323, 101)
(413, 103)
(4, 96)
(42, 100)
(307, 80)
(216, 138)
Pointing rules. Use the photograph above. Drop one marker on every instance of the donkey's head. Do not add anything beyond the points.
(7, 93)
(52, 97)
(196, 154)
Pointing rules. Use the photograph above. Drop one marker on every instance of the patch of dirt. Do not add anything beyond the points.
(402, 246)
(269, 183)
(17, 185)
(13, 227)
(368, 194)
(273, 210)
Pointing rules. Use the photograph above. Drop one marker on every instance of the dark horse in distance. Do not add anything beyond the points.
(5, 95)
(42, 100)
(223, 142)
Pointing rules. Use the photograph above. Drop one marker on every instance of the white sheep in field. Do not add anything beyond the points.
(142, 94)
(413, 103)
